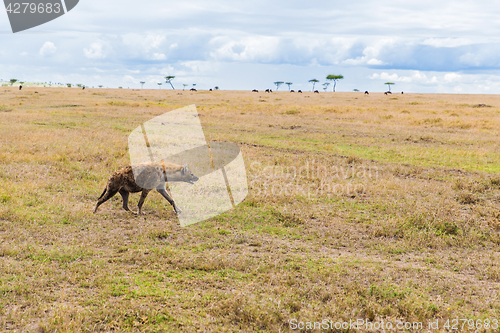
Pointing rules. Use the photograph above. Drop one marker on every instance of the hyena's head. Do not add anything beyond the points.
(187, 176)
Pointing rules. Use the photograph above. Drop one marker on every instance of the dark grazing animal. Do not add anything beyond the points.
(316, 92)
(255, 90)
(300, 91)
(152, 174)
(366, 92)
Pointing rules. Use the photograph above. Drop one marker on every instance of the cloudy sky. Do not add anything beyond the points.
(424, 46)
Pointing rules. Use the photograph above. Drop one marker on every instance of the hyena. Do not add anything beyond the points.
(149, 175)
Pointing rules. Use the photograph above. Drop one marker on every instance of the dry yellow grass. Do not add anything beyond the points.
(360, 207)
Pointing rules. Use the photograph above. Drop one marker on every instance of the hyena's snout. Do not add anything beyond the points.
(192, 179)
(188, 175)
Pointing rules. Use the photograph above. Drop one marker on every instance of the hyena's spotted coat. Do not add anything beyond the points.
(151, 175)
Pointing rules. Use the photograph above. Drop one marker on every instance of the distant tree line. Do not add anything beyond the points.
(331, 77)
(168, 79)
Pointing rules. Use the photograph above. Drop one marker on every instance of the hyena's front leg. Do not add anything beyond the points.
(144, 194)
(165, 194)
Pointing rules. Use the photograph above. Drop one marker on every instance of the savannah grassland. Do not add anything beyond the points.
(401, 222)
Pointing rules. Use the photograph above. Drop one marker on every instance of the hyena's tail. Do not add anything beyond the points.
(103, 193)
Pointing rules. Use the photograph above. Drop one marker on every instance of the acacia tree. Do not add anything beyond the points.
(289, 84)
(69, 85)
(325, 85)
(100, 86)
(278, 84)
(355, 90)
(184, 85)
(389, 85)
(142, 84)
(334, 78)
(12, 81)
(168, 79)
(159, 85)
(314, 81)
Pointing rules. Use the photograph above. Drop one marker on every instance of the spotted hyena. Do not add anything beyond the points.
(149, 175)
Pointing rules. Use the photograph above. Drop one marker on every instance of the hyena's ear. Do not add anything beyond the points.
(184, 169)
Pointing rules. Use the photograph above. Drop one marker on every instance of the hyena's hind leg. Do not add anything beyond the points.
(108, 193)
(165, 194)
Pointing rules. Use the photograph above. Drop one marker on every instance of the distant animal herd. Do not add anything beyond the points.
(315, 91)
(292, 91)
(267, 91)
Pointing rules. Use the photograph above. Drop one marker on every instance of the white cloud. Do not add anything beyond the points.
(169, 70)
(374, 61)
(451, 77)
(254, 48)
(158, 56)
(130, 79)
(385, 76)
(451, 80)
(448, 42)
(360, 61)
(48, 49)
(372, 52)
(470, 59)
(144, 42)
(201, 68)
(416, 77)
(95, 51)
